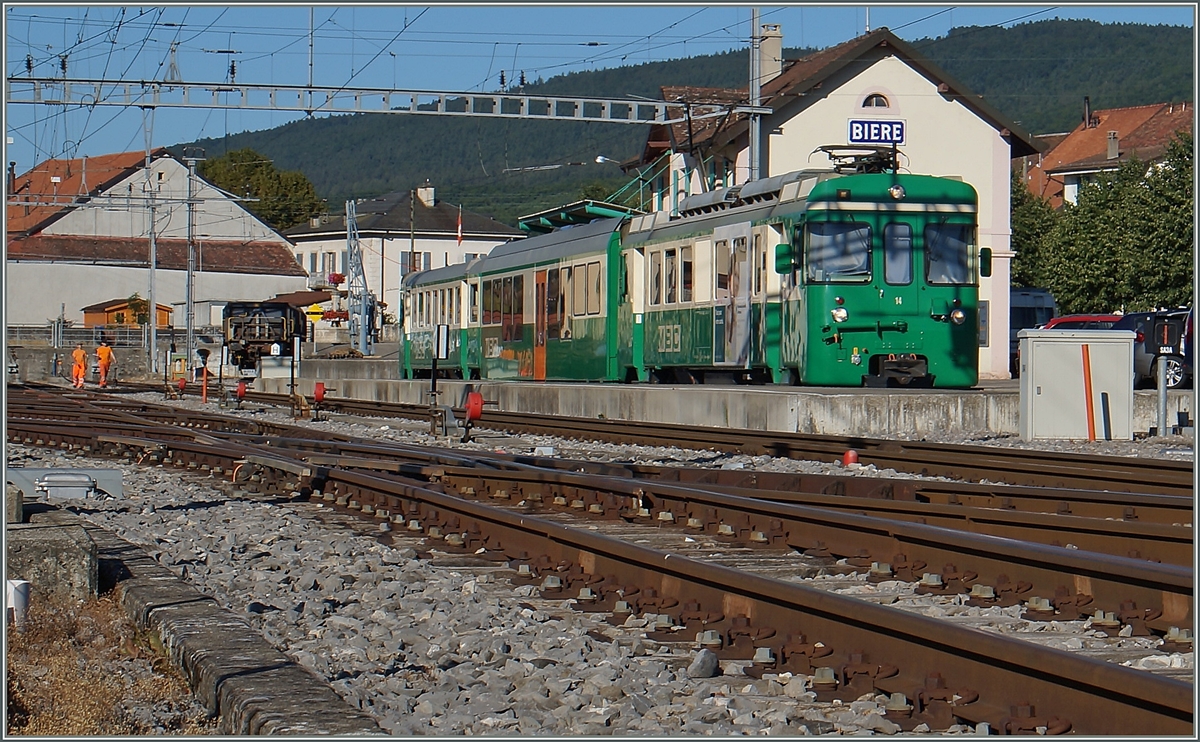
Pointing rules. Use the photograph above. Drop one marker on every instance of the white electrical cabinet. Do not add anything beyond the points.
(1076, 384)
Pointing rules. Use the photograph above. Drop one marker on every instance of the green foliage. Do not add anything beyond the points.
(283, 199)
(1034, 73)
(1128, 243)
(1038, 73)
(140, 309)
(1032, 219)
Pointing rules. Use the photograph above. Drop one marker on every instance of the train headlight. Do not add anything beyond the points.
(958, 316)
(896, 191)
(840, 314)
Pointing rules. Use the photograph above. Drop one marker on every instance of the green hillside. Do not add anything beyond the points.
(1035, 73)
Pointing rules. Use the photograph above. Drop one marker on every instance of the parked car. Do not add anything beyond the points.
(1082, 322)
(1145, 362)
(1028, 308)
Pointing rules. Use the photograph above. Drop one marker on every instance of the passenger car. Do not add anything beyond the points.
(1145, 368)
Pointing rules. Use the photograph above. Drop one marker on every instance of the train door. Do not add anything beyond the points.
(539, 327)
(737, 323)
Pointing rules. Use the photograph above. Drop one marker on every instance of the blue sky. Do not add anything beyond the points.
(449, 48)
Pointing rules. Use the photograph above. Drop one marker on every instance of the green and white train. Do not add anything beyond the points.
(813, 277)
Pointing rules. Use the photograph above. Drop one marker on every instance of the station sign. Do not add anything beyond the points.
(874, 131)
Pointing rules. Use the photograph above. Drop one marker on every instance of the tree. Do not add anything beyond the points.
(283, 199)
(139, 308)
(1128, 243)
(1032, 219)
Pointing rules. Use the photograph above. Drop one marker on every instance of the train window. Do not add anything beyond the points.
(506, 307)
(722, 263)
(553, 304)
(838, 251)
(487, 302)
(581, 290)
(443, 306)
(760, 264)
(656, 278)
(497, 286)
(897, 254)
(518, 310)
(568, 295)
(594, 288)
(670, 273)
(685, 270)
(473, 293)
(948, 249)
(457, 305)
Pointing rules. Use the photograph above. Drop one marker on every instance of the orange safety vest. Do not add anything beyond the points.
(80, 356)
(104, 355)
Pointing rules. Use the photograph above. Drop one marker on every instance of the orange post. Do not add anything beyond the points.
(1087, 390)
(204, 388)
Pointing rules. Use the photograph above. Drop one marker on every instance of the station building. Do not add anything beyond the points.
(77, 236)
(392, 228)
(872, 90)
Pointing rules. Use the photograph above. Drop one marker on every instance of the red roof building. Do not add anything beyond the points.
(77, 233)
(1108, 139)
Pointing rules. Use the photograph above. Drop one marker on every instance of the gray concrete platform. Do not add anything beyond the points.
(252, 687)
(993, 407)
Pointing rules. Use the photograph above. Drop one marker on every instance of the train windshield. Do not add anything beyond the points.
(838, 251)
(948, 253)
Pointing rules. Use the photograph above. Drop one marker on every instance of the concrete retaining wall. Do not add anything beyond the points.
(873, 413)
(252, 687)
(58, 559)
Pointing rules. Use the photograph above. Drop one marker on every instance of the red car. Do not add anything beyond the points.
(1082, 322)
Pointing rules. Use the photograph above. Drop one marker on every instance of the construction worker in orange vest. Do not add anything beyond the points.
(104, 356)
(79, 370)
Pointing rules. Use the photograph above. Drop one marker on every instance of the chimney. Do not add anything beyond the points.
(12, 178)
(425, 194)
(1113, 145)
(1087, 112)
(770, 53)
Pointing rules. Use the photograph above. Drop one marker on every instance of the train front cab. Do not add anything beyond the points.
(884, 294)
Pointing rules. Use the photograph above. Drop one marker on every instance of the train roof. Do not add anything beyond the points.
(566, 242)
(455, 272)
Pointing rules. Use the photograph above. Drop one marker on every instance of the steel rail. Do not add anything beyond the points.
(1071, 579)
(1009, 465)
(1089, 695)
(1092, 696)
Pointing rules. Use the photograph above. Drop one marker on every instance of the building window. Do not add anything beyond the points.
(300, 259)
(875, 100)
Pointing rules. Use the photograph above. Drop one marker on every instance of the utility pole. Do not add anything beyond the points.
(412, 230)
(153, 365)
(189, 299)
(755, 94)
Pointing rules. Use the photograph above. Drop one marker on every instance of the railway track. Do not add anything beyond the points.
(1016, 687)
(970, 463)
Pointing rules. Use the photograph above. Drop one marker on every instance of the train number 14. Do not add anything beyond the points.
(668, 338)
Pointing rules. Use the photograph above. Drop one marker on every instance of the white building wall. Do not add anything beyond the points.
(123, 211)
(383, 258)
(35, 291)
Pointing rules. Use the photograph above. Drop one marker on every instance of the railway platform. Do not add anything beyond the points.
(993, 407)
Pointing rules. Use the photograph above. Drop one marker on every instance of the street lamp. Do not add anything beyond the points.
(601, 159)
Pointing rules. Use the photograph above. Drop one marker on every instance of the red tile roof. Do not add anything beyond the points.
(259, 258)
(1142, 131)
(45, 200)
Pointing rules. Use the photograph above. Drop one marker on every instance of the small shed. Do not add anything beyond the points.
(117, 312)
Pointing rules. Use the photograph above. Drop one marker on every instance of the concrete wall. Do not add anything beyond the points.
(872, 413)
(35, 292)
